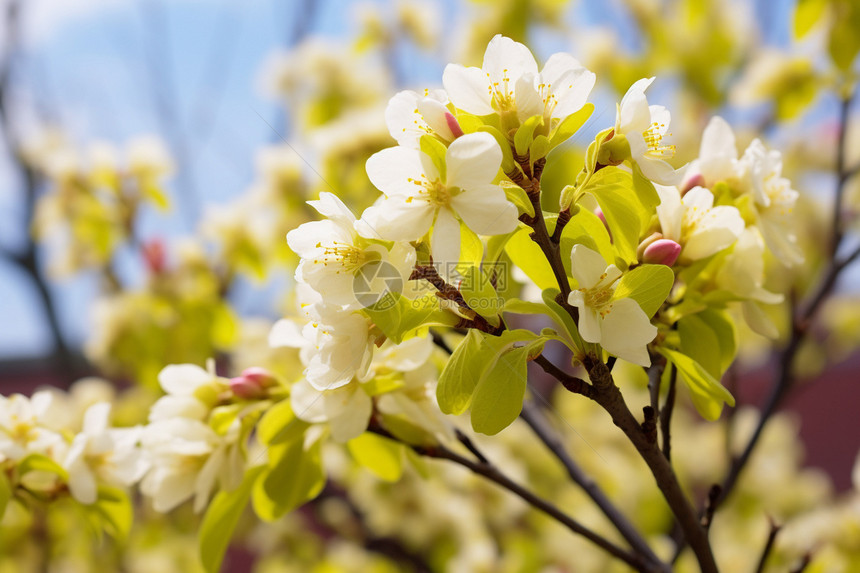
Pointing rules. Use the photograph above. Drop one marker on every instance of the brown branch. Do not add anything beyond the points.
(449, 292)
(27, 260)
(607, 394)
(801, 321)
(532, 415)
(493, 474)
(571, 383)
(666, 415)
(768, 546)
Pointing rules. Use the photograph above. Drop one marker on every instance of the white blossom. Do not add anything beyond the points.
(410, 115)
(418, 196)
(509, 81)
(693, 222)
(24, 427)
(619, 325)
(185, 386)
(189, 459)
(333, 253)
(101, 454)
(774, 201)
(645, 127)
(335, 344)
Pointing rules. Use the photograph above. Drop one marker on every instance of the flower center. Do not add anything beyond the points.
(434, 192)
(502, 93)
(598, 298)
(348, 256)
(654, 140)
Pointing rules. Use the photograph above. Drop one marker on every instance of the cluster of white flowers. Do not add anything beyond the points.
(190, 454)
(79, 448)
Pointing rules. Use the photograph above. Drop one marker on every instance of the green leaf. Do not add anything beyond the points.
(585, 228)
(701, 344)
(401, 318)
(498, 397)
(525, 134)
(479, 294)
(707, 393)
(468, 367)
(223, 416)
(496, 247)
(649, 285)
(461, 374)
(527, 255)
(113, 511)
(382, 456)
(279, 425)
(540, 148)
(294, 476)
(508, 163)
(563, 317)
(471, 250)
(570, 125)
(5, 493)
(437, 152)
(724, 328)
(39, 462)
(613, 189)
(518, 196)
(644, 189)
(844, 40)
(220, 521)
(807, 13)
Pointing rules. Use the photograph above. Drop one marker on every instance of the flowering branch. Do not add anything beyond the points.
(532, 415)
(493, 474)
(604, 391)
(800, 321)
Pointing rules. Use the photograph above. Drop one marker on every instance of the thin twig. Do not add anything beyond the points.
(768, 546)
(800, 321)
(666, 415)
(533, 416)
(493, 474)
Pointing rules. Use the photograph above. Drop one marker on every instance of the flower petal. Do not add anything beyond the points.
(445, 242)
(473, 159)
(397, 218)
(486, 210)
(507, 58)
(468, 88)
(329, 205)
(626, 331)
(587, 266)
(391, 170)
(634, 115)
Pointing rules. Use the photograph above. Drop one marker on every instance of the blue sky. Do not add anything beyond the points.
(87, 66)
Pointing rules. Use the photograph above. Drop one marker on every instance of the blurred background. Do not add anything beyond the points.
(153, 155)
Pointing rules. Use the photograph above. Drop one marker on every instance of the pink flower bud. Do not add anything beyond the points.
(599, 212)
(260, 375)
(453, 125)
(690, 181)
(154, 255)
(252, 383)
(662, 252)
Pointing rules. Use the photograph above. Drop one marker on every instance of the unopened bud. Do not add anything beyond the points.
(690, 181)
(154, 255)
(662, 252)
(453, 125)
(599, 212)
(252, 383)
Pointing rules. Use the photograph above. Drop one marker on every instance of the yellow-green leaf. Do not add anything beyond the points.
(220, 521)
(383, 457)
